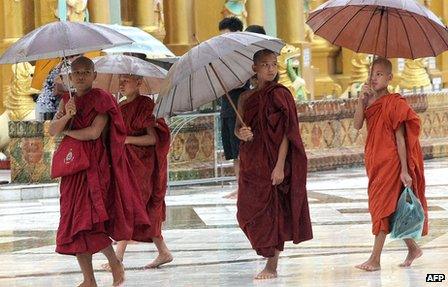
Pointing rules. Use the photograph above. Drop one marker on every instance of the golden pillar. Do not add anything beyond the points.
(99, 11)
(324, 59)
(179, 23)
(290, 18)
(440, 8)
(255, 12)
(148, 17)
(127, 6)
(44, 12)
(290, 21)
(12, 27)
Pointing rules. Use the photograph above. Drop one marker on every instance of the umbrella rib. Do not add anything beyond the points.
(172, 100)
(407, 35)
(191, 98)
(365, 30)
(336, 13)
(348, 22)
(387, 33)
(211, 84)
(426, 36)
(236, 76)
(238, 52)
(438, 32)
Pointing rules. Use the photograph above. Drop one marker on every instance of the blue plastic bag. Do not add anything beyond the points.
(407, 221)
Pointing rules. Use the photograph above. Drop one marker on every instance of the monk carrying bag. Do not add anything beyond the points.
(407, 221)
(69, 158)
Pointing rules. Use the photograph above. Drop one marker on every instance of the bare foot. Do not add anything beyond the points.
(412, 255)
(232, 195)
(370, 265)
(266, 273)
(160, 260)
(118, 273)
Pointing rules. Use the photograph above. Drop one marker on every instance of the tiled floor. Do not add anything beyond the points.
(210, 250)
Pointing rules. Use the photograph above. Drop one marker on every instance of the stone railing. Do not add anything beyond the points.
(30, 150)
(326, 128)
(327, 132)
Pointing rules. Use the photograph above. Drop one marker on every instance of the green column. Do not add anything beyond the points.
(115, 12)
(62, 10)
(270, 18)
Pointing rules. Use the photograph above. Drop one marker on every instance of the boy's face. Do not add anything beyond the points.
(266, 68)
(129, 85)
(82, 77)
(381, 77)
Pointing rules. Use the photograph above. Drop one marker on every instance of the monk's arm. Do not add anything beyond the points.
(144, 140)
(92, 132)
(359, 114)
(278, 174)
(59, 121)
(401, 146)
(282, 153)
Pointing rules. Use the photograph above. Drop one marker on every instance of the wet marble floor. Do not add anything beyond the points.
(210, 250)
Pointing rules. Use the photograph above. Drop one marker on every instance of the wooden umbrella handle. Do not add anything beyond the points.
(240, 118)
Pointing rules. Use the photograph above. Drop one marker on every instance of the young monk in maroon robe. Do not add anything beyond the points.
(147, 146)
(272, 199)
(393, 157)
(99, 202)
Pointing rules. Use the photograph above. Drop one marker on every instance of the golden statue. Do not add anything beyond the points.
(76, 10)
(359, 73)
(289, 72)
(415, 75)
(18, 101)
(235, 8)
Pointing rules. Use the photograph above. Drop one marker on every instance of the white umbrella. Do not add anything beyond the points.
(144, 43)
(210, 69)
(61, 39)
(111, 66)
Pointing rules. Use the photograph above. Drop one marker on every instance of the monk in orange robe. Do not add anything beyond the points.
(97, 203)
(147, 145)
(393, 157)
(272, 205)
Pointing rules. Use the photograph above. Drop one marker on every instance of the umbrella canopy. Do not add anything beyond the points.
(144, 43)
(111, 66)
(61, 39)
(209, 70)
(387, 28)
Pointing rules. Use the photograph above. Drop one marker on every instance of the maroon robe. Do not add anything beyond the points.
(149, 163)
(99, 202)
(270, 215)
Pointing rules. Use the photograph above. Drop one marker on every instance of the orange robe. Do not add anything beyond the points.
(382, 162)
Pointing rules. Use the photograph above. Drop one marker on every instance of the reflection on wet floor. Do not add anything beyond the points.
(211, 250)
(183, 217)
(21, 240)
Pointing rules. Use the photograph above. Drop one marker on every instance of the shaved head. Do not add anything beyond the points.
(385, 63)
(83, 62)
(260, 54)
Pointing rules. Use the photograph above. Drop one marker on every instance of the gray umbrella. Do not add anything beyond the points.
(61, 39)
(111, 66)
(209, 70)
